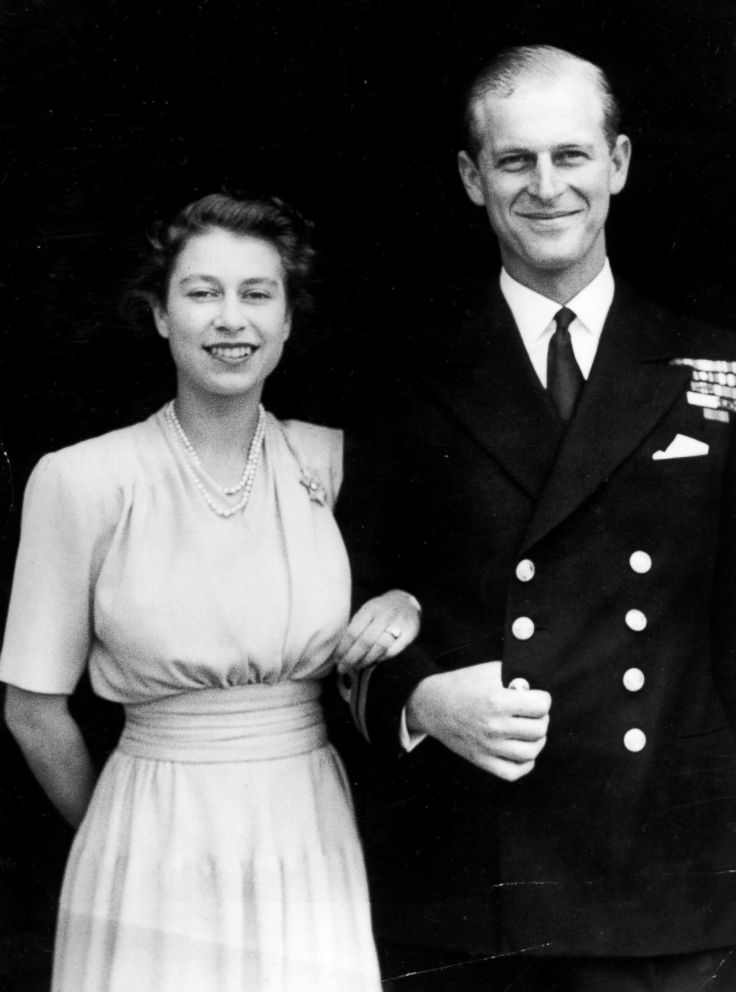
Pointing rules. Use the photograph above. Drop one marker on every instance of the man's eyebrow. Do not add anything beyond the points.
(581, 145)
(513, 150)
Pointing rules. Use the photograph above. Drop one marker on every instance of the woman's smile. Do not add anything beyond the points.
(231, 354)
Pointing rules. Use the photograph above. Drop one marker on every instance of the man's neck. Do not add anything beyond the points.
(561, 286)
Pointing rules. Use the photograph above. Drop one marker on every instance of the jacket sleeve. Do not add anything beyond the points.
(373, 511)
(723, 621)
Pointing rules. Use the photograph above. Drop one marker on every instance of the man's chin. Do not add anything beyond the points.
(557, 256)
(553, 264)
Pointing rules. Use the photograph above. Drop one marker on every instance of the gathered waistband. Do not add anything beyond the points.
(240, 723)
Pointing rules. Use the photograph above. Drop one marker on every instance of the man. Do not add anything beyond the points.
(562, 502)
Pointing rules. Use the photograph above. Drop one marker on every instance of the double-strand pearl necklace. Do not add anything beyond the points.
(197, 470)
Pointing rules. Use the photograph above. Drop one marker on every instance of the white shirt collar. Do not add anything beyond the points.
(534, 313)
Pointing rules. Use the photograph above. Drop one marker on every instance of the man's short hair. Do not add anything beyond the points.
(508, 67)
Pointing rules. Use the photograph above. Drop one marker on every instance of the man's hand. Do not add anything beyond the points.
(468, 710)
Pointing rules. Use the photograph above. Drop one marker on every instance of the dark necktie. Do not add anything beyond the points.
(564, 378)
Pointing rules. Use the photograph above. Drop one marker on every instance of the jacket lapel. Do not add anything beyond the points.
(629, 390)
(489, 385)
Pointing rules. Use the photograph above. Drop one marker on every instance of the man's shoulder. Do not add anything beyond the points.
(687, 336)
(454, 334)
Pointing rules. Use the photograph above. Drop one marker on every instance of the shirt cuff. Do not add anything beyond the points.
(407, 739)
(415, 602)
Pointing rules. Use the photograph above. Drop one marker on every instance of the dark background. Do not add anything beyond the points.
(116, 113)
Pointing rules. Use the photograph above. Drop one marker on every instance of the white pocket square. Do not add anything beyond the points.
(682, 446)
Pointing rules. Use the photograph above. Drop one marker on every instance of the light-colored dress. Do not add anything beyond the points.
(219, 852)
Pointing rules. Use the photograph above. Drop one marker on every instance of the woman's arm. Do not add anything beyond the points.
(54, 748)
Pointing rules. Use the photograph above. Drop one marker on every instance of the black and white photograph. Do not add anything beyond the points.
(368, 496)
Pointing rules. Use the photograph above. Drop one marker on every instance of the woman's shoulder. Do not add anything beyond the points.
(313, 438)
(319, 451)
(98, 462)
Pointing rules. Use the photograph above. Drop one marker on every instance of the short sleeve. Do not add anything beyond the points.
(335, 462)
(49, 626)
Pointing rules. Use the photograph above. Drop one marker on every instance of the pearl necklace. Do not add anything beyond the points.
(196, 469)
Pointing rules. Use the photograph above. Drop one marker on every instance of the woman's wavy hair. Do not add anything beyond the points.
(271, 220)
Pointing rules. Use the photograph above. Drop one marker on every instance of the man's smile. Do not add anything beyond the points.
(547, 215)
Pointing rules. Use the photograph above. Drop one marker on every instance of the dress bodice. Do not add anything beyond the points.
(122, 566)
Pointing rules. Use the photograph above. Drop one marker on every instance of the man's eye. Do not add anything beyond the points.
(571, 156)
(514, 163)
(256, 295)
(200, 294)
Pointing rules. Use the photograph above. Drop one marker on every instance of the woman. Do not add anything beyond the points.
(192, 562)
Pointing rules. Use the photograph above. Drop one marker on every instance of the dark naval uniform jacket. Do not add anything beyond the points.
(599, 563)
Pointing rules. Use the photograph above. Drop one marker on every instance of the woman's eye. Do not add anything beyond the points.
(200, 294)
(256, 295)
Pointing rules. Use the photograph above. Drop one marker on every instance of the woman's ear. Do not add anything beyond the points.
(160, 319)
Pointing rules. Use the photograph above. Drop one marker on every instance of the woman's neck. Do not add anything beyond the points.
(220, 429)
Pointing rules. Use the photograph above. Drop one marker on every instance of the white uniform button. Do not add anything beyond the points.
(636, 620)
(635, 740)
(640, 562)
(522, 628)
(525, 570)
(634, 679)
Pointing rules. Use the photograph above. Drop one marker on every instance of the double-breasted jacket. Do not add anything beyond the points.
(599, 563)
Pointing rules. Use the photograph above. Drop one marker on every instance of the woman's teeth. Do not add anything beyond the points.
(232, 352)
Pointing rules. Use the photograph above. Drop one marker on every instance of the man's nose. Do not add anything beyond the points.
(545, 183)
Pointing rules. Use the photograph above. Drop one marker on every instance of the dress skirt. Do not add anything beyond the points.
(219, 854)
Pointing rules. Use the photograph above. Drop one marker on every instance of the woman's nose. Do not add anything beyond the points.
(232, 316)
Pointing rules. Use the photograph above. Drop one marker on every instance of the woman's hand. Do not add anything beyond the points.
(380, 629)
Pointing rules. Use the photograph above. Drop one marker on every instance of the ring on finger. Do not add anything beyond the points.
(394, 632)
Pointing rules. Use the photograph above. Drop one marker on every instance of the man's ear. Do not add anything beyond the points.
(160, 320)
(470, 175)
(620, 159)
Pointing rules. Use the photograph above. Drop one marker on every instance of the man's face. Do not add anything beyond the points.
(545, 174)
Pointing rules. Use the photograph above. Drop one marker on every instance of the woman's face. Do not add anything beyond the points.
(226, 316)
